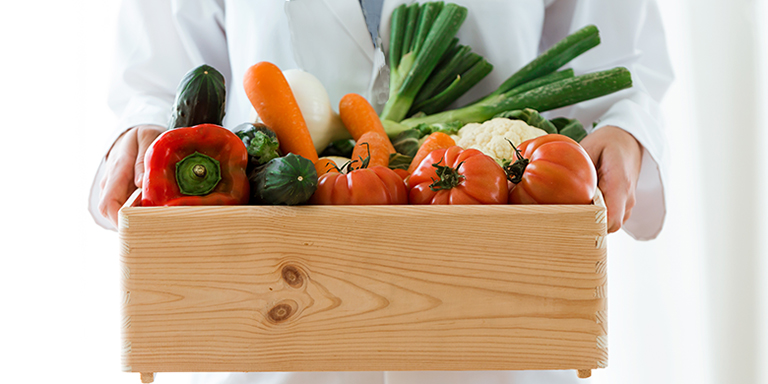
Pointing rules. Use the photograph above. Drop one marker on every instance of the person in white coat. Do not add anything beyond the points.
(160, 40)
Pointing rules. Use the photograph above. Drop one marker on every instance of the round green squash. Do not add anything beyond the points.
(287, 180)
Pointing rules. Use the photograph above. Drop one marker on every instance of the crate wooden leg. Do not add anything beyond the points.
(147, 377)
(584, 373)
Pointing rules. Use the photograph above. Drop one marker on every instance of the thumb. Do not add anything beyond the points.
(146, 135)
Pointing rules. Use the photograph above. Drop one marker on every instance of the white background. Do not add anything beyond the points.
(688, 307)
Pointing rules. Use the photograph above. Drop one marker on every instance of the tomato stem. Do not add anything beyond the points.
(515, 170)
(447, 177)
(363, 162)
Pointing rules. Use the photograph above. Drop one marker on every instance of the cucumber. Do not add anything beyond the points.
(561, 93)
(200, 98)
(287, 180)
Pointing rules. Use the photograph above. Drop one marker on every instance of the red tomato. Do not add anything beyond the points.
(365, 186)
(402, 173)
(461, 176)
(558, 171)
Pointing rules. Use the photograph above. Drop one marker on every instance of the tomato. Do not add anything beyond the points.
(402, 173)
(376, 185)
(458, 176)
(552, 169)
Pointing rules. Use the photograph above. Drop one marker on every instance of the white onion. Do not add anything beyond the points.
(322, 121)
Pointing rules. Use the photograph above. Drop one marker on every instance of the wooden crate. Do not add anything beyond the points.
(363, 288)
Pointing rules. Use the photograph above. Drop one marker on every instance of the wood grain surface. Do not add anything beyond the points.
(350, 288)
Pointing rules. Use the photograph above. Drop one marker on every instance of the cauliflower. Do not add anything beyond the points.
(491, 136)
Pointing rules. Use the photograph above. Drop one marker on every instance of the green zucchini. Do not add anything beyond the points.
(200, 98)
(287, 180)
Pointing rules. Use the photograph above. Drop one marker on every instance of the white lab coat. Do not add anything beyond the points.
(161, 40)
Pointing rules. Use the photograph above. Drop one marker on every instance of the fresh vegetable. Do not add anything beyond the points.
(400, 161)
(530, 117)
(435, 141)
(324, 165)
(200, 165)
(200, 98)
(260, 142)
(361, 185)
(360, 118)
(493, 136)
(287, 180)
(570, 127)
(402, 173)
(551, 169)
(322, 121)
(458, 176)
(407, 142)
(273, 100)
(374, 145)
(420, 37)
(554, 95)
(458, 71)
(555, 57)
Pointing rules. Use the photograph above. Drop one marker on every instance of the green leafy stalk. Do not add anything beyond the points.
(555, 95)
(463, 83)
(405, 82)
(410, 27)
(427, 16)
(396, 36)
(445, 73)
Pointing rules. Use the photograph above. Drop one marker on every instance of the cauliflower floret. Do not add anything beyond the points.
(491, 136)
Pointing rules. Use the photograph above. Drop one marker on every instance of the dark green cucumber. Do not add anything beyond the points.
(547, 97)
(555, 57)
(287, 180)
(200, 98)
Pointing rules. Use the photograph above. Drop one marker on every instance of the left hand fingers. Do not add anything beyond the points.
(617, 157)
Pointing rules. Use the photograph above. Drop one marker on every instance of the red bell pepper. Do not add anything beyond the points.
(200, 165)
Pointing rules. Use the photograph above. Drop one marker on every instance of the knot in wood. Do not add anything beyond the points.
(293, 276)
(280, 313)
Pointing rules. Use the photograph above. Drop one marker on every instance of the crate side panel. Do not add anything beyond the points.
(362, 289)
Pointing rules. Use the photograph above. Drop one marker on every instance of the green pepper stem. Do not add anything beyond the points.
(197, 174)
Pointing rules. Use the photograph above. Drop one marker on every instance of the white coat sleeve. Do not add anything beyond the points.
(158, 41)
(632, 36)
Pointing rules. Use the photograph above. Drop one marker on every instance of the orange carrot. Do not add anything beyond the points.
(435, 141)
(325, 165)
(359, 117)
(273, 100)
(374, 142)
